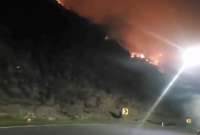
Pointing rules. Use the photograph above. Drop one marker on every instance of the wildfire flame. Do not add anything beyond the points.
(151, 60)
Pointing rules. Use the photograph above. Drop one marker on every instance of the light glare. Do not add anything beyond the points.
(191, 57)
(157, 102)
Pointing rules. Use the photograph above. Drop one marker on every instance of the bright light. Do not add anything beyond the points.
(191, 57)
(142, 56)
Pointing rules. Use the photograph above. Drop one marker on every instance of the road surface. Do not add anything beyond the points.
(85, 130)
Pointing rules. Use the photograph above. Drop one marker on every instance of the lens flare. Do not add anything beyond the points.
(157, 102)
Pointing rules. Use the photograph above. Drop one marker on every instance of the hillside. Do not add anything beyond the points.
(50, 56)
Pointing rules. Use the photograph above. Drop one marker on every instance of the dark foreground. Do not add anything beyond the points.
(86, 130)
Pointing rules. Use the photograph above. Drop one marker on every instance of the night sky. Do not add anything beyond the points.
(152, 27)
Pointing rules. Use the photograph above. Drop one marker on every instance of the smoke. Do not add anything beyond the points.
(132, 22)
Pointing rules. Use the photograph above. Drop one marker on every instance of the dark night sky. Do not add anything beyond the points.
(148, 26)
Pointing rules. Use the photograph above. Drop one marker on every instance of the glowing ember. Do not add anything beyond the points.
(142, 56)
(106, 38)
(61, 2)
(137, 55)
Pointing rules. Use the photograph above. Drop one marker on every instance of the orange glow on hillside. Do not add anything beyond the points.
(154, 60)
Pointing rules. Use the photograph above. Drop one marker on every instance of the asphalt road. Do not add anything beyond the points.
(86, 130)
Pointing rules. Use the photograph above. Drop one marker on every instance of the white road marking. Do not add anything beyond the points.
(51, 125)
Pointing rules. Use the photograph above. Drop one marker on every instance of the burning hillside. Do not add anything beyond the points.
(151, 60)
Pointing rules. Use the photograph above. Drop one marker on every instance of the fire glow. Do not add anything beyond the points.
(153, 61)
(61, 2)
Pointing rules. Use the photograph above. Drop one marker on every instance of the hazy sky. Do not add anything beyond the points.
(149, 26)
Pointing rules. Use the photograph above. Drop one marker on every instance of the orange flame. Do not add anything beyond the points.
(151, 60)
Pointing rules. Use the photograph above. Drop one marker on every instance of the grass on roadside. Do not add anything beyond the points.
(19, 121)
